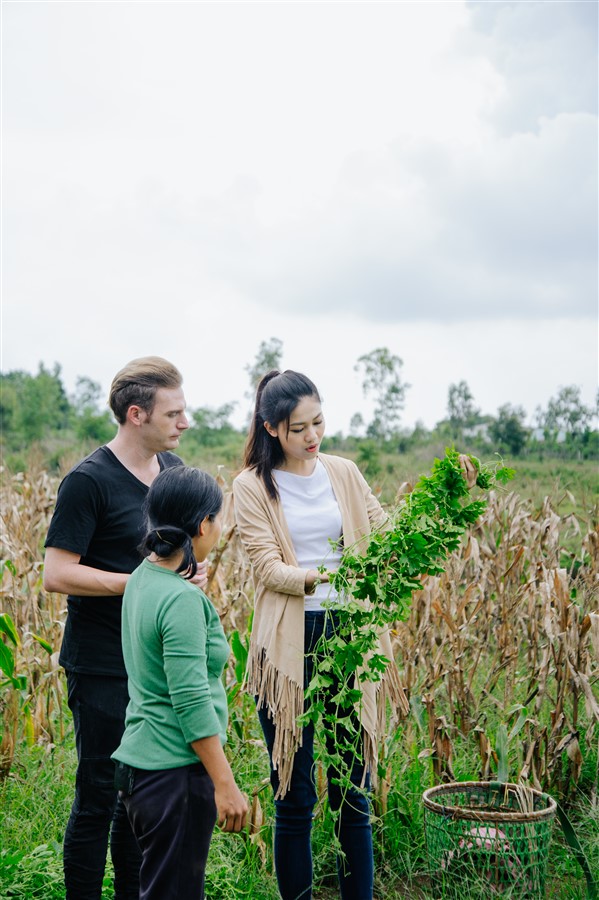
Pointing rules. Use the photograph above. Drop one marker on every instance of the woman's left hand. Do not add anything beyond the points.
(201, 576)
(469, 470)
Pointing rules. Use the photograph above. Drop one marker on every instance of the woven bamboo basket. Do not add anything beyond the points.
(489, 835)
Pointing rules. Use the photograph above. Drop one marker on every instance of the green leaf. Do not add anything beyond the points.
(43, 643)
(574, 843)
(28, 726)
(8, 564)
(517, 727)
(7, 660)
(503, 475)
(501, 750)
(7, 627)
(240, 652)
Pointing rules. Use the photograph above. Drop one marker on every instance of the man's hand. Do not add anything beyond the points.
(201, 576)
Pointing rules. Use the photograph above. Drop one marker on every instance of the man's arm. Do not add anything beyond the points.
(63, 573)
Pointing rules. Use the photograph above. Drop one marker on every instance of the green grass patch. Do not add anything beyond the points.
(36, 800)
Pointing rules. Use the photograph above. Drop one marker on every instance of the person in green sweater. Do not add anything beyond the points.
(171, 769)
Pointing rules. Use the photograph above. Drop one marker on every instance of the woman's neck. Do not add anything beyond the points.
(298, 466)
(166, 562)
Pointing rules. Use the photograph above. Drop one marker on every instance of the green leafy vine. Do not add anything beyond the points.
(375, 585)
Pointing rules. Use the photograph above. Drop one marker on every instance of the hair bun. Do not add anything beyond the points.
(166, 539)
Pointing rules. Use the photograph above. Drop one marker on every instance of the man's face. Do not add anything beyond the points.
(162, 429)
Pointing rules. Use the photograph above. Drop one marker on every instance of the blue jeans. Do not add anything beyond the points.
(294, 812)
(98, 704)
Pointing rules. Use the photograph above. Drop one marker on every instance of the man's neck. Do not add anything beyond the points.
(140, 461)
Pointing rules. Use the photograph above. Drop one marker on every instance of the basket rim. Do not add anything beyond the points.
(478, 815)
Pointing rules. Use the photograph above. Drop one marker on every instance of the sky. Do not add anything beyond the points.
(189, 179)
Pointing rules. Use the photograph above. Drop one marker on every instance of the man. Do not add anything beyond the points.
(91, 549)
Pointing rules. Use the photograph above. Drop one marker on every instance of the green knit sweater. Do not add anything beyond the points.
(175, 651)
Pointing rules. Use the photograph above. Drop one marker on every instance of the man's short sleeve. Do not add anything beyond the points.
(78, 509)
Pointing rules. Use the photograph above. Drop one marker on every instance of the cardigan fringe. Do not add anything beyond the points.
(284, 702)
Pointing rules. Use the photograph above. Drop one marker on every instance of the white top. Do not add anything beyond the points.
(313, 517)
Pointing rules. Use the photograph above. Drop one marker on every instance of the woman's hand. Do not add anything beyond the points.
(231, 807)
(314, 578)
(469, 470)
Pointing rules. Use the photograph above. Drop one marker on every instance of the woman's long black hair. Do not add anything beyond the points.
(277, 396)
(179, 499)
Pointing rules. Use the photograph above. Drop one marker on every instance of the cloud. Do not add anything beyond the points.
(505, 229)
(418, 232)
(547, 54)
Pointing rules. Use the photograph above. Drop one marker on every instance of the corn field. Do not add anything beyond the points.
(509, 634)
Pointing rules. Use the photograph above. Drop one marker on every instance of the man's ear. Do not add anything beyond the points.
(136, 415)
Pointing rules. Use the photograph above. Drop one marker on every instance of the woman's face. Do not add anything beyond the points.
(207, 536)
(301, 440)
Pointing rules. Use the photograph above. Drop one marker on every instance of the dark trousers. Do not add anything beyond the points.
(98, 704)
(173, 813)
(293, 813)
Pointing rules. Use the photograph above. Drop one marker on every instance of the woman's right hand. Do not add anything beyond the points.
(314, 578)
(231, 807)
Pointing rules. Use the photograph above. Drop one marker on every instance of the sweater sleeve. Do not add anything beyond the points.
(261, 537)
(182, 625)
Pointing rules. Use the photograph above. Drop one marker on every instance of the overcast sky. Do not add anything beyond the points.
(189, 179)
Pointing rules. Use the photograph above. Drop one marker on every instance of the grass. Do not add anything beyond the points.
(36, 799)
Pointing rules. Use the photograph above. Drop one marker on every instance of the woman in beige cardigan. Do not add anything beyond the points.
(291, 504)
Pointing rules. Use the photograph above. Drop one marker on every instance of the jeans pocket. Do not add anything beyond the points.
(124, 778)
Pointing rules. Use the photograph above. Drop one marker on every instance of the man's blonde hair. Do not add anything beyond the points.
(137, 382)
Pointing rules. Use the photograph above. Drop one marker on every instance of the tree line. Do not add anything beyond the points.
(36, 410)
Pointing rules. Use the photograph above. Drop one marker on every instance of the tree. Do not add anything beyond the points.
(460, 407)
(566, 414)
(508, 430)
(268, 357)
(11, 388)
(210, 426)
(213, 419)
(90, 422)
(381, 372)
(356, 425)
(87, 395)
(34, 405)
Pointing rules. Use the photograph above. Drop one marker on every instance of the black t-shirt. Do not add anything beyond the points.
(98, 515)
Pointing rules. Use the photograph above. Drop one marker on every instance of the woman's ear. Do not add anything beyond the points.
(201, 526)
(272, 431)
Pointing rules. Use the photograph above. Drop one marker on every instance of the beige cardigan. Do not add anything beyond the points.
(276, 658)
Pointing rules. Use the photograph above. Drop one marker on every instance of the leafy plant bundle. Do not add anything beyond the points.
(375, 587)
